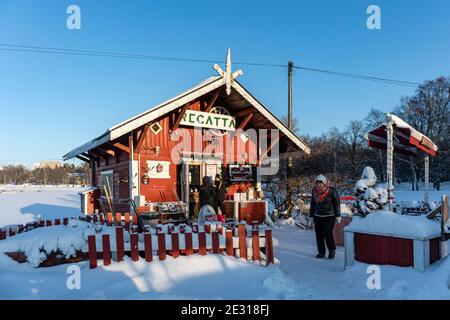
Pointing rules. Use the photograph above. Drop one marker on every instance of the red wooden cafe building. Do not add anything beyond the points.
(157, 159)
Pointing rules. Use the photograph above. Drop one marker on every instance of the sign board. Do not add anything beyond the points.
(208, 120)
(158, 169)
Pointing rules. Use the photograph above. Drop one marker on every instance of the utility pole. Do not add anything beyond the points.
(290, 65)
(289, 159)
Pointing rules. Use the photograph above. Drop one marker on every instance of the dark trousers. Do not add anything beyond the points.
(324, 234)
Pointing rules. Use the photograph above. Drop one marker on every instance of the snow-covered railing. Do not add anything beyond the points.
(242, 241)
(214, 238)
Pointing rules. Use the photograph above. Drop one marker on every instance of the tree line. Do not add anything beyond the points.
(341, 155)
(65, 174)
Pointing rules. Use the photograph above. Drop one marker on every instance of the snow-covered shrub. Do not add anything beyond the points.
(371, 197)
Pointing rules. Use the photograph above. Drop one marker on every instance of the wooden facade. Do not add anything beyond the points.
(123, 160)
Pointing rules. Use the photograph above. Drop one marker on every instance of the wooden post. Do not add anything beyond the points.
(161, 246)
(207, 228)
(102, 219)
(269, 247)
(349, 246)
(57, 222)
(21, 228)
(175, 245)
(92, 252)
(148, 247)
(134, 246)
(48, 223)
(11, 232)
(110, 219)
(134, 216)
(66, 221)
(215, 242)
(2, 234)
(41, 223)
(229, 242)
(106, 250)
(118, 218)
(389, 160)
(427, 179)
(127, 217)
(94, 218)
(119, 243)
(242, 241)
(188, 242)
(202, 243)
(444, 212)
(255, 243)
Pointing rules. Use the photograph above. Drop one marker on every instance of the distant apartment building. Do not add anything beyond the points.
(47, 164)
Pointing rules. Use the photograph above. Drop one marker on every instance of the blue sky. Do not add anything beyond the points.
(52, 103)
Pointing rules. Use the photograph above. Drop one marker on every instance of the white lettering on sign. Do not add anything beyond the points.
(208, 120)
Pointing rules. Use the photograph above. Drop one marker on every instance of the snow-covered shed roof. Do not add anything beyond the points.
(202, 88)
(407, 140)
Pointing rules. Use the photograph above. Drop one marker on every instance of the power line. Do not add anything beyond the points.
(111, 54)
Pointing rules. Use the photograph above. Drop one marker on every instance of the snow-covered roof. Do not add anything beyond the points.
(407, 139)
(178, 101)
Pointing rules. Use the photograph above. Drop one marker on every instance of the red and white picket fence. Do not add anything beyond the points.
(232, 241)
(11, 231)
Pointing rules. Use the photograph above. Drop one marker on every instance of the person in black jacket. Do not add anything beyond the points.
(219, 192)
(206, 192)
(325, 209)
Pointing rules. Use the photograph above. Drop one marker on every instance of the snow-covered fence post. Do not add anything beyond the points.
(134, 246)
(389, 158)
(110, 219)
(175, 245)
(57, 222)
(201, 243)
(21, 228)
(65, 221)
(269, 247)
(255, 243)
(11, 232)
(207, 227)
(2, 234)
(41, 223)
(118, 218)
(188, 242)
(148, 247)
(119, 244)
(161, 246)
(92, 252)
(242, 241)
(229, 242)
(215, 242)
(427, 179)
(48, 223)
(106, 250)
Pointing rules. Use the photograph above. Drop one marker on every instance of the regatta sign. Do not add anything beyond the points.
(208, 120)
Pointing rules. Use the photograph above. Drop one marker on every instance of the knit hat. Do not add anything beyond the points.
(321, 178)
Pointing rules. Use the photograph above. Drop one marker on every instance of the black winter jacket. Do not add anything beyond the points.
(327, 208)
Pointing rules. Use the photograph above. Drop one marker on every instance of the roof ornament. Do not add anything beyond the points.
(227, 74)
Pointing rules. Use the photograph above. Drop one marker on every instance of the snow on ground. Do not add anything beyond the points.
(298, 276)
(22, 204)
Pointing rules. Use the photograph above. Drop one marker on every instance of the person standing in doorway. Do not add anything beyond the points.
(219, 192)
(325, 209)
(206, 192)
